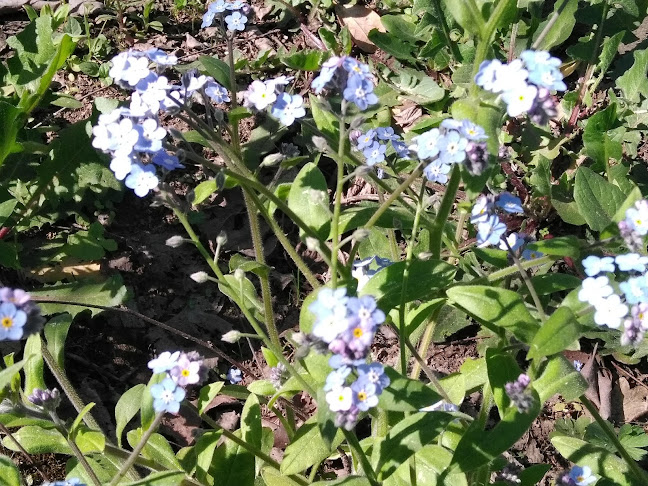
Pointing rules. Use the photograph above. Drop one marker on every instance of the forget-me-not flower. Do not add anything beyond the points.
(582, 476)
(594, 265)
(437, 171)
(236, 21)
(375, 153)
(167, 396)
(142, 179)
(287, 108)
(12, 321)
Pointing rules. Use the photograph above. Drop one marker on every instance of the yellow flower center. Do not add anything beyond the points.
(362, 396)
(340, 398)
(357, 332)
(7, 322)
(185, 373)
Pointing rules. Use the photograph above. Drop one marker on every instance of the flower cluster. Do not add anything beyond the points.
(362, 272)
(578, 476)
(234, 375)
(454, 142)
(48, 399)
(525, 84)
(182, 370)
(350, 77)
(490, 228)
(374, 143)
(19, 315)
(348, 325)
(517, 392)
(134, 135)
(285, 107)
(611, 308)
(234, 13)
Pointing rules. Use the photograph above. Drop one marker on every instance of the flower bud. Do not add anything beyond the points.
(239, 274)
(231, 337)
(200, 277)
(48, 399)
(175, 241)
(221, 239)
(272, 160)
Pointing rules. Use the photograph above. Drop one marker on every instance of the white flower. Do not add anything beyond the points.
(121, 165)
(513, 240)
(631, 261)
(339, 399)
(595, 265)
(610, 311)
(164, 362)
(594, 289)
(261, 95)
(520, 100)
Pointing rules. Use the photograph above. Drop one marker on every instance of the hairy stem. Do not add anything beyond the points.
(436, 232)
(339, 188)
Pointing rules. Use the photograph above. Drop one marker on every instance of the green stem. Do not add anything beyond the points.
(527, 281)
(67, 388)
(264, 278)
(248, 315)
(60, 426)
(339, 188)
(639, 473)
(408, 263)
(138, 448)
(438, 12)
(436, 232)
(550, 24)
(362, 457)
(424, 345)
(505, 272)
(232, 76)
(391, 234)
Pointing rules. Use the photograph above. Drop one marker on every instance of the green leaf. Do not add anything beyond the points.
(204, 190)
(554, 282)
(89, 245)
(324, 119)
(9, 255)
(559, 376)
(34, 377)
(9, 116)
(308, 198)
(127, 407)
(425, 279)
(566, 246)
(207, 394)
(399, 26)
(39, 440)
(431, 463)
(109, 292)
(598, 200)
(232, 465)
(9, 475)
(217, 69)
(556, 334)
(164, 478)
(468, 18)
(634, 83)
(7, 375)
(204, 450)
(405, 395)
(251, 421)
(244, 292)
(308, 448)
(561, 29)
(147, 413)
(600, 144)
(495, 308)
(392, 44)
(272, 477)
(478, 447)
(408, 437)
(563, 201)
(56, 331)
(502, 369)
(157, 449)
(602, 462)
(6, 209)
(532, 475)
(305, 60)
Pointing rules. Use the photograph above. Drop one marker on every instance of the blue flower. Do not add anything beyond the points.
(142, 179)
(158, 56)
(66, 482)
(402, 152)
(355, 68)
(482, 210)
(472, 131)
(364, 394)
(490, 231)
(366, 139)
(427, 144)
(216, 92)
(337, 378)
(375, 153)
(635, 290)
(287, 108)
(452, 148)
(164, 362)
(374, 373)
(365, 310)
(509, 203)
(437, 171)
(487, 76)
(582, 476)
(12, 321)
(529, 254)
(386, 133)
(167, 161)
(359, 90)
(327, 72)
(236, 21)
(637, 217)
(520, 100)
(234, 375)
(167, 396)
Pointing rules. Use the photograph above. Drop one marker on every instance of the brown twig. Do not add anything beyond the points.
(22, 450)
